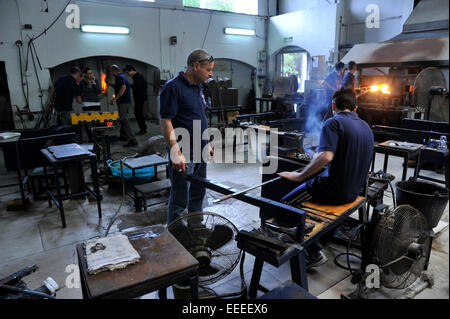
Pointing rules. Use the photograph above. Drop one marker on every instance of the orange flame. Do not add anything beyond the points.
(104, 85)
(374, 88)
(384, 88)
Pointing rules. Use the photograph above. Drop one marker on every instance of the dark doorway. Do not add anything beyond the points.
(6, 114)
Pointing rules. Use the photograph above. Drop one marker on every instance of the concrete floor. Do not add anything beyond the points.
(35, 235)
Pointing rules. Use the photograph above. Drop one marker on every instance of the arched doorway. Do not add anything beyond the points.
(101, 65)
(293, 60)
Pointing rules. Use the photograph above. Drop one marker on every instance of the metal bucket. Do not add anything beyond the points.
(430, 199)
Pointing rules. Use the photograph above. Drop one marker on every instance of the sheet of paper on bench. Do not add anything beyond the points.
(118, 254)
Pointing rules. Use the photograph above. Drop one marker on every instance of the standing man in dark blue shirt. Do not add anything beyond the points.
(332, 83)
(123, 100)
(183, 106)
(139, 96)
(65, 90)
(349, 81)
(345, 150)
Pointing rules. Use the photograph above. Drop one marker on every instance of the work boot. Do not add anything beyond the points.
(316, 259)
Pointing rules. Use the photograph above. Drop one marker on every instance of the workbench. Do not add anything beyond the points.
(224, 110)
(437, 157)
(401, 149)
(63, 163)
(164, 262)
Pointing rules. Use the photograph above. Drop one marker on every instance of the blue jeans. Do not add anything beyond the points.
(182, 194)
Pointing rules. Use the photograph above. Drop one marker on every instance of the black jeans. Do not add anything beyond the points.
(139, 114)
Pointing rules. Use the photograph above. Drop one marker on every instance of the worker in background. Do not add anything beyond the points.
(182, 103)
(123, 100)
(139, 95)
(90, 91)
(65, 90)
(332, 83)
(349, 80)
(345, 151)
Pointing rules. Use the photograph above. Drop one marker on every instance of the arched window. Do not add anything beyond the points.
(293, 61)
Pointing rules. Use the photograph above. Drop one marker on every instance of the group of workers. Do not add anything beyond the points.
(345, 148)
(335, 175)
(83, 87)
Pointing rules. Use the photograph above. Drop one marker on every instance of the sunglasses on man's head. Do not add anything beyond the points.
(210, 59)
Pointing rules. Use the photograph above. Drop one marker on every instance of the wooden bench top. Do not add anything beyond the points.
(328, 211)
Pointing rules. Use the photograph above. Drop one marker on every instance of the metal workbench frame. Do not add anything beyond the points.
(296, 212)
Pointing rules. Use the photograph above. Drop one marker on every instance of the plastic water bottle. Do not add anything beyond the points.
(443, 142)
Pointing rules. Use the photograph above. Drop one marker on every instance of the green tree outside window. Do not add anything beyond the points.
(224, 5)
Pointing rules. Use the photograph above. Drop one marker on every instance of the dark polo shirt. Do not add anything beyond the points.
(66, 88)
(350, 139)
(119, 81)
(184, 102)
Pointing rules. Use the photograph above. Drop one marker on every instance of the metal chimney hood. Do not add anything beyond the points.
(424, 40)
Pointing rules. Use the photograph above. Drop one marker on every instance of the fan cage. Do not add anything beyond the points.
(393, 235)
(224, 258)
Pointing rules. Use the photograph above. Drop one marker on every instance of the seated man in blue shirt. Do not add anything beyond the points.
(183, 106)
(345, 150)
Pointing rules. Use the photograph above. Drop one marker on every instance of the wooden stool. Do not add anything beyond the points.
(332, 215)
(335, 214)
(58, 164)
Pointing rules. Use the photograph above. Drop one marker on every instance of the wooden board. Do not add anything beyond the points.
(328, 211)
(332, 209)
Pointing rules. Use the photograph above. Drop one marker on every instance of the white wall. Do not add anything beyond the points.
(150, 25)
(312, 29)
(392, 16)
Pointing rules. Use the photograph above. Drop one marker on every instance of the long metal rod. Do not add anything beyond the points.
(249, 189)
(247, 198)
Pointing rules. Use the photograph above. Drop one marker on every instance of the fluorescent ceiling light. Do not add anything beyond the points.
(105, 29)
(239, 31)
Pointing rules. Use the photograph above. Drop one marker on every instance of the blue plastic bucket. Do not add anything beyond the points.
(146, 173)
